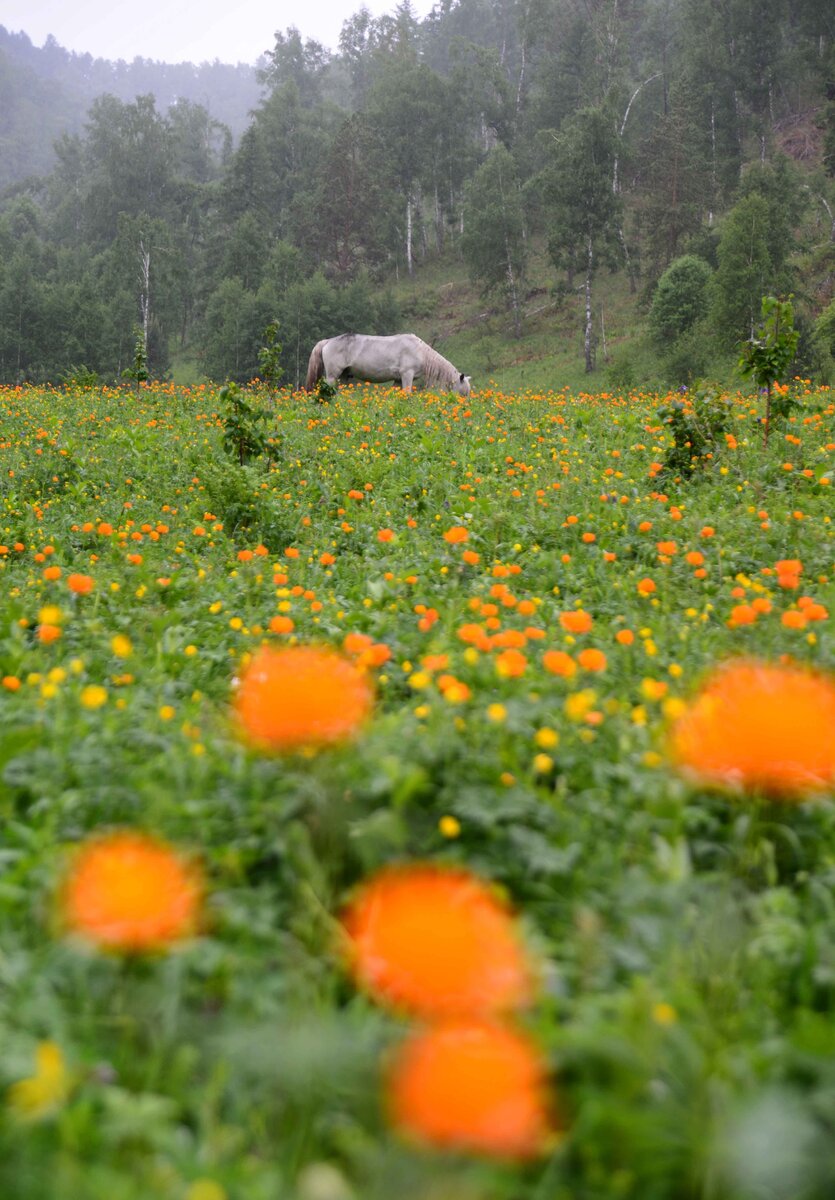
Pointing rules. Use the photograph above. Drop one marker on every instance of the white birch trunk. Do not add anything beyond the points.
(409, 260)
(588, 341)
(145, 292)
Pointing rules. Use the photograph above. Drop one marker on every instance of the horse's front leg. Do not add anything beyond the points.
(407, 378)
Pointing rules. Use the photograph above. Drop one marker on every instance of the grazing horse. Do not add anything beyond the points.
(400, 358)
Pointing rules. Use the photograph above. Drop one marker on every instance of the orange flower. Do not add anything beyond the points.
(646, 586)
(82, 585)
(625, 637)
(282, 624)
(356, 643)
(475, 1087)
(436, 941)
(559, 663)
(48, 633)
(760, 727)
(385, 535)
(301, 696)
(592, 659)
(794, 619)
(457, 534)
(742, 614)
(471, 558)
(511, 663)
(474, 634)
(127, 891)
(51, 573)
(576, 621)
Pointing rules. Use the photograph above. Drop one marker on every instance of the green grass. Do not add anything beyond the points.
(683, 938)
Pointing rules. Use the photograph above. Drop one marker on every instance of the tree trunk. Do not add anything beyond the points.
(439, 222)
(514, 292)
(145, 292)
(409, 261)
(588, 341)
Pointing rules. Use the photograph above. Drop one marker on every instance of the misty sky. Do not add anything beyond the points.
(182, 30)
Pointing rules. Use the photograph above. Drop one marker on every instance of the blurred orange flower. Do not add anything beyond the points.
(592, 659)
(576, 621)
(82, 585)
(475, 1087)
(456, 534)
(296, 696)
(128, 891)
(760, 727)
(436, 941)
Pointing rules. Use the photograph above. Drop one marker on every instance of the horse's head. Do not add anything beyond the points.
(462, 387)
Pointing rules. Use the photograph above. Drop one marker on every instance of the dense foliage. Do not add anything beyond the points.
(532, 613)
(605, 136)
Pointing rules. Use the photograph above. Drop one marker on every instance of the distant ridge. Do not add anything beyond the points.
(46, 91)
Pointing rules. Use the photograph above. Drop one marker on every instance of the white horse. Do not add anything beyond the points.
(400, 358)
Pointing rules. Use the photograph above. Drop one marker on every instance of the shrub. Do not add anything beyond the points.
(680, 299)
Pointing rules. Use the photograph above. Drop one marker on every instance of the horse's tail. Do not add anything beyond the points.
(316, 366)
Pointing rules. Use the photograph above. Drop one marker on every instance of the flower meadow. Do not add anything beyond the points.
(439, 805)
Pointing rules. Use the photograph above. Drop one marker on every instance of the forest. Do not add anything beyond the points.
(688, 146)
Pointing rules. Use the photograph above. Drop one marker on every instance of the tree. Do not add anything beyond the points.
(680, 299)
(768, 353)
(351, 218)
(755, 241)
(409, 109)
(493, 244)
(583, 209)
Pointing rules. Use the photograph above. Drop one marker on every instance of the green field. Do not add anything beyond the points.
(681, 936)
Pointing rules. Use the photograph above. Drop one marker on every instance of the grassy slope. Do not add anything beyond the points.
(476, 332)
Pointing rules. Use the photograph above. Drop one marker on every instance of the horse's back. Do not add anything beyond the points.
(372, 357)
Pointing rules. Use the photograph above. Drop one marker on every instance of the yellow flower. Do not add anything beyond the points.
(664, 1014)
(673, 708)
(50, 614)
(449, 827)
(47, 1089)
(653, 689)
(93, 696)
(166, 712)
(121, 646)
(419, 680)
(496, 713)
(579, 703)
(546, 738)
(542, 763)
(205, 1189)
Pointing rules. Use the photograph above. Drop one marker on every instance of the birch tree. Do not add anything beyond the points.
(582, 208)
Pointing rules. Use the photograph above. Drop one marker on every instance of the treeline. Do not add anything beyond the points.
(647, 135)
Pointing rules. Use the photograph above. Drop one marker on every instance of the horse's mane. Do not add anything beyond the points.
(436, 368)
